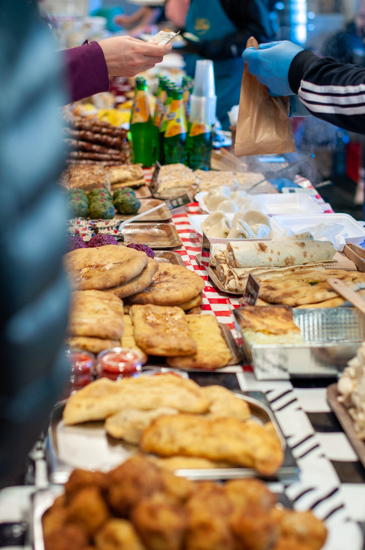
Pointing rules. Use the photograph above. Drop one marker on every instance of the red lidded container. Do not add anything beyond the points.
(117, 363)
(82, 368)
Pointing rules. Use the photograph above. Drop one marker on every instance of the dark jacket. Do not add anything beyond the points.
(345, 46)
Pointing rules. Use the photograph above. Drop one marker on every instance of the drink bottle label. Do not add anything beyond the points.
(198, 129)
(140, 111)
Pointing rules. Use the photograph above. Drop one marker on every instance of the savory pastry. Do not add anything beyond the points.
(299, 529)
(118, 534)
(224, 403)
(103, 397)
(139, 283)
(254, 528)
(248, 493)
(96, 314)
(269, 325)
(104, 267)
(128, 340)
(93, 345)
(212, 351)
(240, 443)
(174, 463)
(86, 177)
(88, 510)
(127, 174)
(129, 424)
(193, 303)
(160, 330)
(172, 285)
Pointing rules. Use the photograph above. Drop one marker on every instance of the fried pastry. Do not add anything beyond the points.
(129, 424)
(139, 283)
(162, 330)
(87, 510)
(118, 534)
(212, 350)
(96, 314)
(103, 267)
(224, 403)
(128, 340)
(172, 285)
(243, 444)
(299, 528)
(93, 345)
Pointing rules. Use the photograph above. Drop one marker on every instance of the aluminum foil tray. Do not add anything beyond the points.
(331, 337)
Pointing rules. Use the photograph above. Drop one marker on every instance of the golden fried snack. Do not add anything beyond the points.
(225, 403)
(212, 351)
(118, 534)
(178, 489)
(69, 537)
(93, 345)
(139, 283)
(87, 510)
(299, 528)
(133, 480)
(243, 444)
(162, 330)
(194, 302)
(174, 463)
(103, 397)
(254, 529)
(55, 517)
(247, 493)
(129, 424)
(160, 524)
(79, 479)
(128, 340)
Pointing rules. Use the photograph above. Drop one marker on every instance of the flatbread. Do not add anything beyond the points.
(104, 267)
(212, 350)
(307, 288)
(224, 403)
(194, 302)
(128, 340)
(93, 345)
(280, 253)
(172, 285)
(162, 330)
(126, 173)
(129, 424)
(95, 313)
(139, 283)
(270, 325)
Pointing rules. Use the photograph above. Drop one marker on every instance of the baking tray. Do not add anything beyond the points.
(217, 283)
(160, 215)
(88, 446)
(42, 500)
(346, 422)
(159, 235)
(171, 257)
(143, 192)
(331, 337)
(227, 335)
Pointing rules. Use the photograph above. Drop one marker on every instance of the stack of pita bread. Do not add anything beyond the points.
(264, 259)
(91, 176)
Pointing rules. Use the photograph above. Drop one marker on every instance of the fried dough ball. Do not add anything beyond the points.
(208, 513)
(299, 528)
(160, 524)
(244, 493)
(118, 534)
(55, 517)
(177, 488)
(69, 537)
(254, 529)
(136, 478)
(87, 510)
(84, 478)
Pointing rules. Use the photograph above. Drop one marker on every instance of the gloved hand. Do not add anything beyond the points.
(270, 65)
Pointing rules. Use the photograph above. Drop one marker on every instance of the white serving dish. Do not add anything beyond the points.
(289, 204)
(353, 231)
(199, 197)
(277, 230)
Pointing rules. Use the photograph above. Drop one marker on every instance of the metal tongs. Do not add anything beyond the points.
(123, 223)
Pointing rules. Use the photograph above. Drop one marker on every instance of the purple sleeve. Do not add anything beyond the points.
(86, 70)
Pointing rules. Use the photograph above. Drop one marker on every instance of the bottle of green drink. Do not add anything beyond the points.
(176, 130)
(144, 133)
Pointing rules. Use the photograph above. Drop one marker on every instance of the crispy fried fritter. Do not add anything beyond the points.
(118, 534)
(160, 524)
(54, 518)
(211, 497)
(84, 478)
(224, 403)
(254, 529)
(87, 510)
(69, 537)
(177, 488)
(244, 493)
(136, 478)
(299, 528)
(241, 443)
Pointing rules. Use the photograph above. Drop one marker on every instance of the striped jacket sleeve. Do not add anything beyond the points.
(332, 91)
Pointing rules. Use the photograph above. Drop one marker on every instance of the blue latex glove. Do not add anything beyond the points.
(270, 65)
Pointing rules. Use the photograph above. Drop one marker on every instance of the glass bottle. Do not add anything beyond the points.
(144, 133)
(176, 130)
(169, 93)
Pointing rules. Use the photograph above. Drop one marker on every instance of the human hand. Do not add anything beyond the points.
(126, 56)
(123, 21)
(270, 65)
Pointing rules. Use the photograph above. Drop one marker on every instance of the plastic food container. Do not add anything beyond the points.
(82, 368)
(117, 363)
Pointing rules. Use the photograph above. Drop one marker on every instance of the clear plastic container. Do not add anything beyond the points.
(117, 363)
(82, 368)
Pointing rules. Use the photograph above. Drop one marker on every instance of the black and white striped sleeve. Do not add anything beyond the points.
(332, 91)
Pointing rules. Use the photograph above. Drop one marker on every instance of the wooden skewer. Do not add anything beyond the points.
(346, 292)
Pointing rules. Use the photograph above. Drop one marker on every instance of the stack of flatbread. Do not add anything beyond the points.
(85, 176)
(175, 180)
(266, 258)
(127, 175)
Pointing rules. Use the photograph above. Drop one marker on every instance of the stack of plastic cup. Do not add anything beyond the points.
(203, 100)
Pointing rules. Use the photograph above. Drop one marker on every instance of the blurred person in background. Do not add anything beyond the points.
(141, 20)
(347, 46)
(221, 29)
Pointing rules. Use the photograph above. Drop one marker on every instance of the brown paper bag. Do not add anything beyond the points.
(263, 125)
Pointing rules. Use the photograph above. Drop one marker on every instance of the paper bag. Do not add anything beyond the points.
(263, 125)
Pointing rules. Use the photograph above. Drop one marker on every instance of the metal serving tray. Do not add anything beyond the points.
(331, 337)
(88, 446)
(159, 235)
(160, 215)
(162, 256)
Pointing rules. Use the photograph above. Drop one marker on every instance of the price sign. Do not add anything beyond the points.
(251, 293)
(178, 201)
